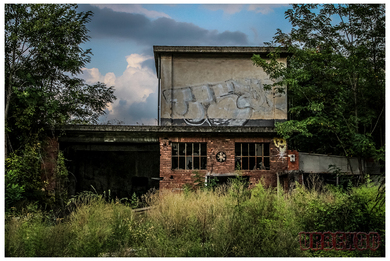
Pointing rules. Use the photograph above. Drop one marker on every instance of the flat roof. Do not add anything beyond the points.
(166, 129)
(131, 133)
(215, 49)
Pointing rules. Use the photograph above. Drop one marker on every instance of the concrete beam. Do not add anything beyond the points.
(116, 147)
(148, 134)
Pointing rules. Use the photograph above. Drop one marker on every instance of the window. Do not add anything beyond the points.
(189, 155)
(252, 156)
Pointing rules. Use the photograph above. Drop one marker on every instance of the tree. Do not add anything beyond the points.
(335, 79)
(42, 59)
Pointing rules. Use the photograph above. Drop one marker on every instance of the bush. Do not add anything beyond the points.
(229, 221)
(23, 176)
(13, 190)
(94, 228)
(338, 210)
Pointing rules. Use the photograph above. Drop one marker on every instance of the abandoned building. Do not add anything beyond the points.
(214, 118)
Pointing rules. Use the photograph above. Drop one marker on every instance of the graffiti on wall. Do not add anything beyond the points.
(228, 103)
(281, 145)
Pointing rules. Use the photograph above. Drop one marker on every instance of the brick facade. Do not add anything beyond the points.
(293, 165)
(49, 164)
(175, 179)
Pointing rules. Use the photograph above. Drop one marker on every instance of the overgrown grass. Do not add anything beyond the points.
(229, 221)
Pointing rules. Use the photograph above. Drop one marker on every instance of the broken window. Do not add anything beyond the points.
(252, 156)
(186, 155)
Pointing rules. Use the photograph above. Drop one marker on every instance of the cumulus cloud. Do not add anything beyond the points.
(161, 31)
(136, 9)
(135, 91)
(228, 9)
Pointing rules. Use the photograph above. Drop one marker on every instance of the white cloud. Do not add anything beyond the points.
(135, 60)
(263, 8)
(228, 9)
(92, 75)
(134, 9)
(134, 86)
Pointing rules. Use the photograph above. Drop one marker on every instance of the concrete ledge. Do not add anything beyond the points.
(215, 49)
(165, 129)
(148, 134)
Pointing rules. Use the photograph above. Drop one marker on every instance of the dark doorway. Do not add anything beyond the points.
(118, 169)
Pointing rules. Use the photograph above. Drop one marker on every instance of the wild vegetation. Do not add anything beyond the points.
(331, 96)
(42, 61)
(226, 221)
(335, 79)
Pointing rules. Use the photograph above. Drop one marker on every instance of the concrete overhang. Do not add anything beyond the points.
(162, 49)
(150, 134)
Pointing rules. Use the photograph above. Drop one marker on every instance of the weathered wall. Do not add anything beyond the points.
(175, 179)
(217, 90)
(293, 165)
(319, 163)
(49, 164)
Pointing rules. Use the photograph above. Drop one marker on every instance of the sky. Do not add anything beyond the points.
(122, 38)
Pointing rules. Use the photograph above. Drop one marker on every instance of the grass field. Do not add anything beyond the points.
(226, 221)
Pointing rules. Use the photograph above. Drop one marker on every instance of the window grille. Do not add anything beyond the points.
(191, 156)
(252, 156)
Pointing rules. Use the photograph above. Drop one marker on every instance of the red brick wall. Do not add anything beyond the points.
(49, 163)
(293, 165)
(175, 179)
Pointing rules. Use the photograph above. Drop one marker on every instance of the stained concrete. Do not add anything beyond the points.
(319, 163)
(216, 86)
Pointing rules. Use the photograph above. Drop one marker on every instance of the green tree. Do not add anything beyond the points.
(335, 78)
(42, 60)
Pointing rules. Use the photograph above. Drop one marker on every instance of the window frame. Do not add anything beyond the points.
(187, 156)
(250, 162)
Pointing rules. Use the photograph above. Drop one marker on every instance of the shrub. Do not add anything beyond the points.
(23, 176)
(14, 192)
(225, 222)
(94, 228)
(336, 209)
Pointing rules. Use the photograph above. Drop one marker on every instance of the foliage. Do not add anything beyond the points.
(23, 175)
(203, 223)
(26, 178)
(94, 228)
(61, 179)
(340, 210)
(42, 58)
(335, 78)
(198, 180)
(13, 190)
(134, 201)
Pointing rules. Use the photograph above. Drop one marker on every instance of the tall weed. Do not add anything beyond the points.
(229, 221)
(94, 228)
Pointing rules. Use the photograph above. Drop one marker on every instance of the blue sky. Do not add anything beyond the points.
(123, 35)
